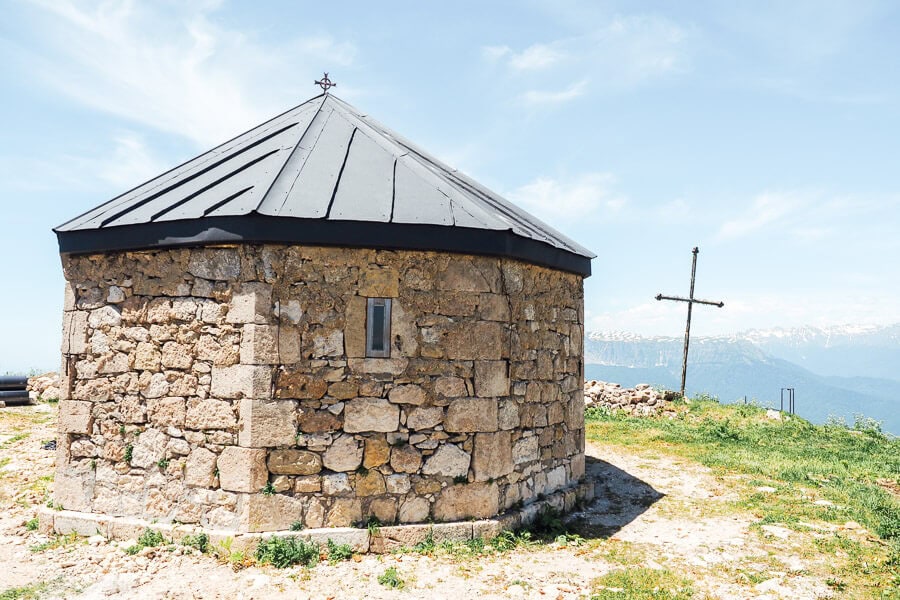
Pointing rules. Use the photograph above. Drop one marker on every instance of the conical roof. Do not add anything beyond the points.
(320, 173)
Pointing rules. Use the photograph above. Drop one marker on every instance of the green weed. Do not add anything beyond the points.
(283, 552)
(391, 578)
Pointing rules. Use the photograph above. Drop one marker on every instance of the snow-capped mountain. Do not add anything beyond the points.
(838, 371)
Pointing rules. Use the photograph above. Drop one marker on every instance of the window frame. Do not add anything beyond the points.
(371, 304)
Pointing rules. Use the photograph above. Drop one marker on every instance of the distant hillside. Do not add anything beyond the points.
(732, 368)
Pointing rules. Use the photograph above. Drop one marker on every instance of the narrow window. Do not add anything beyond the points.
(378, 328)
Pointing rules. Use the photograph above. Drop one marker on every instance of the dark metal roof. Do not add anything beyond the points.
(321, 173)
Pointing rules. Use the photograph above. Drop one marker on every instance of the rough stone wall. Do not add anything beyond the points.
(641, 401)
(227, 386)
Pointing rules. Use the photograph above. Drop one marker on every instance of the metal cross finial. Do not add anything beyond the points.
(325, 83)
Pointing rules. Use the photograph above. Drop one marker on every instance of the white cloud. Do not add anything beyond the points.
(543, 97)
(766, 210)
(621, 52)
(131, 162)
(578, 200)
(533, 58)
(170, 67)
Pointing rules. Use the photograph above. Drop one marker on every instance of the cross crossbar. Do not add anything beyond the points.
(691, 301)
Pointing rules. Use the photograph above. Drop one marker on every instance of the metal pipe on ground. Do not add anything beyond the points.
(13, 382)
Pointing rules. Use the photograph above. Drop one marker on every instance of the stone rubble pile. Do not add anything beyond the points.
(44, 386)
(641, 400)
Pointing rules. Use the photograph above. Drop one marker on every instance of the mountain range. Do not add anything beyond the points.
(837, 372)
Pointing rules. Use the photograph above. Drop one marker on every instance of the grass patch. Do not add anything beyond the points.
(283, 552)
(391, 578)
(854, 468)
(27, 592)
(338, 552)
(641, 584)
(56, 541)
(148, 539)
(16, 438)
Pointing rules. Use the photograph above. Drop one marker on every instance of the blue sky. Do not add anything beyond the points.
(767, 133)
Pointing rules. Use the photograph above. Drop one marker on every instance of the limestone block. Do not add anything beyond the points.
(450, 387)
(449, 460)
(384, 509)
(241, 381)
(317, 421)
(167, 412)
(209, 413)
(465, 501)
(266, 423)
(294, 462)
(493, 307)
(105, 316)
(343, 390)
(371, 414)
(252, 303)
(355, 327)
(379, 282)
(425, 418)
(219, 350)
(508, 415)
(451, 532)
(378, 366)
(327, 344)
(307, 484)
(492, 457)
(116, 362)
(377, 452)
(344, 513)
(357, 539)
(405, 459)
(463, 275)
(492, 339)
(556, 478)
(526, 450)
(491, 378)
(74, 417)
(471, 414)
(259, 344)
(177, 356)
(73, 491)
(300, 385)
(242, 469)
(147, 357)
(397, 484)
(336, 484)
(577, 466)
(149, 448)
(261, 512)
(407, 394)
(74, 334)
(370, 483)
(344, 454)
(222, 264)
(414, 510)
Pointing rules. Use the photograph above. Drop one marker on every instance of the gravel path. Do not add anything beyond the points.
(659, 512)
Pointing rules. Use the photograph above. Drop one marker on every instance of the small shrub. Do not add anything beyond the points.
(460, 479)
(338, 552)
(390, 578)
(283, 552)
(129, 451)
(163, 463)
(373, 525)
(199, 541)
(297, 526)
(151, 538)
(32, 525)
(268, 489)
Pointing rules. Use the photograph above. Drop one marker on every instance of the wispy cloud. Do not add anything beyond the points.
(768, 209)
(545, 97)
(619, 52)
(170, 66)
(533, 58)
(583, 198)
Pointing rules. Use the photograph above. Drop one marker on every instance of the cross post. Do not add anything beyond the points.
(690, 302)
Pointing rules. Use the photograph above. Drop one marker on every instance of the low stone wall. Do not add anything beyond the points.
(45, 386)
(228, 387)
(642, 400)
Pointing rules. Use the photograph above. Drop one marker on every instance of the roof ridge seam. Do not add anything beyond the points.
(337, 182)
(290, 155)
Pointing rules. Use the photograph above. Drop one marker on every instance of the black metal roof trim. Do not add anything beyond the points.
(263, 229)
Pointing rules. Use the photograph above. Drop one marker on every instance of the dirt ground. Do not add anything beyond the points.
(651, 511)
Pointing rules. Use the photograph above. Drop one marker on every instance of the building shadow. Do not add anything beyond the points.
(619, 498)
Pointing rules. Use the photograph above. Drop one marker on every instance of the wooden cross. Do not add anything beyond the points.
(690, 302)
